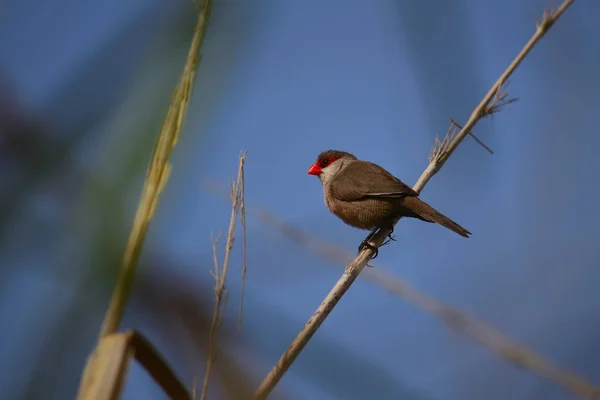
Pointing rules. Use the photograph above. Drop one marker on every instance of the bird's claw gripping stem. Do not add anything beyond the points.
(366, 245)
(390, 237)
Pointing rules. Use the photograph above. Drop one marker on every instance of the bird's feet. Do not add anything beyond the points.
(366, 245)
(390, 237)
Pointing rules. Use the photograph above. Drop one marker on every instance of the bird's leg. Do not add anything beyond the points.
(366, 245)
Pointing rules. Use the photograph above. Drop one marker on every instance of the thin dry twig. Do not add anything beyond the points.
(357, 265)
(456, 319)
(215, 274)
(440, 145)
(244, 249)
(220, 275)
(479, 141)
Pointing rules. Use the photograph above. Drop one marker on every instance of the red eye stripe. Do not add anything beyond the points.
(327, 161)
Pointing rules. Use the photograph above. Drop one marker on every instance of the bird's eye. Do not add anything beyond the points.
(325, 162)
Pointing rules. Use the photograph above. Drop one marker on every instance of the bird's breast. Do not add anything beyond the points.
(363, 214)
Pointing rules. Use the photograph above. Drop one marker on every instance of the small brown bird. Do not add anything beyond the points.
(366, 196)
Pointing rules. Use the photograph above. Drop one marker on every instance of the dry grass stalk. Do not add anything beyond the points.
(244, 250)
(220, 275)
(357, 265)
(456, 319)
(112, 358)
(156, 179)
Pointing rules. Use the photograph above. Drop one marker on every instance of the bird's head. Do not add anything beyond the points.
(329, 163)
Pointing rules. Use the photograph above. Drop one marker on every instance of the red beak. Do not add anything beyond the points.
(314, 170)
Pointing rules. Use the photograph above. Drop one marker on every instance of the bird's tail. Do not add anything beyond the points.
(427, 213)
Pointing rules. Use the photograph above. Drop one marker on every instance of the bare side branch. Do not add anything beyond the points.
(220, 274)
(244, 248)
(355, 267)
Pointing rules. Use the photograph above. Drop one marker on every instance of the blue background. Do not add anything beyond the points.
(84, 88)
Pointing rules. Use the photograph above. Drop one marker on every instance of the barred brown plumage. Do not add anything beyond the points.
(366, 196)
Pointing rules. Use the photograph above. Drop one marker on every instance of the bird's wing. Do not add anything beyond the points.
(363, 179)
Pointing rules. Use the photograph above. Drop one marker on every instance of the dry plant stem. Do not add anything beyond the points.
(355, 267)
(112, 357)
(221, 275)
(244, 250)
(456, 319)
(156, 178)
(478, 330)
(548, 19)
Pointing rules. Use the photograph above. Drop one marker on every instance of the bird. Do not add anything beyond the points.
(366, 196)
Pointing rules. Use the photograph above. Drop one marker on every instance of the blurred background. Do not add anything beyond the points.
(84, 88)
